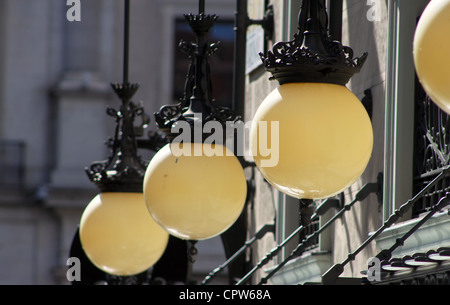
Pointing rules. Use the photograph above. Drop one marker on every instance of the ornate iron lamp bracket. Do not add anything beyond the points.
(197, 105)
(124, 170)
(312, 56)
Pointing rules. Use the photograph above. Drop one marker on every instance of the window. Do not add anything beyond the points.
(414, 141)
(416, 145)
(431, 150)
(399, 105)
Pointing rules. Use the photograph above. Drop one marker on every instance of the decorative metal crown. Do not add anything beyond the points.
(201, 23)
(124, 170)
(313, 56)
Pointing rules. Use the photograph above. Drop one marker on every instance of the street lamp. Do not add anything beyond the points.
(431, 48)
(195, 187)
(116, 232)
(324, 133)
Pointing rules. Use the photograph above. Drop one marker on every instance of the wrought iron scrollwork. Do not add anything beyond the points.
(312, 56)
(433, 137)
(197, 101)
(431, 149)
(124, 169)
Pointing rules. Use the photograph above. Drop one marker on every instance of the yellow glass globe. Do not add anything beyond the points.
(119, 236)
(324, 139)
(195, 196)
(431, 52)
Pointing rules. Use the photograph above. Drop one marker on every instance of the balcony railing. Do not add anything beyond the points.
(431, 150)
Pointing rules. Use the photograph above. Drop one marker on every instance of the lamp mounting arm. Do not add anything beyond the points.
(313, 27)
(197, 101)
(124, 170)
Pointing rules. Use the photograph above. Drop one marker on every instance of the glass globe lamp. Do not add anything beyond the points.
(116, 232)
(119, 236)
(324, 141)
(431, 48)
(319, 133)
(195, 196)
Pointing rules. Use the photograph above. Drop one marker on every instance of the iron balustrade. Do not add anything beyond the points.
(320, 210)
(332, 275)
(431, 150)
(365, 191)
(386, 254)
(430, 268)
(258, 235)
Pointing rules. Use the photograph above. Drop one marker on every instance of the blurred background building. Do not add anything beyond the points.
(410, 148)
(55, 80)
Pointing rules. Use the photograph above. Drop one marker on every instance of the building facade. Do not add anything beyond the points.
(55, 87)
(408, 140)
(57, 64)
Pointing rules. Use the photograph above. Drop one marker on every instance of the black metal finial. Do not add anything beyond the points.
(197, 105)
(124, 170)
(192, 251)
(306, 211)
(312, 56)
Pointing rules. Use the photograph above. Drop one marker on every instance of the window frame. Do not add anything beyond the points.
(399, 109)
(399, 137)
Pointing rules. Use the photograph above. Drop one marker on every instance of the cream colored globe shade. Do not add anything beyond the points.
(320, 134)
(195, 196)
(431, 52)
(119, 236)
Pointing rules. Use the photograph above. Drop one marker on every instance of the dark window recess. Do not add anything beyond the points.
(12, 164)
(221, 63)
(431, 150)
(309, 229)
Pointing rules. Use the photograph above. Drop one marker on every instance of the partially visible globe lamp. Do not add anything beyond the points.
(116, 232)
(323, 138)
(431, 49)
(195, 187)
